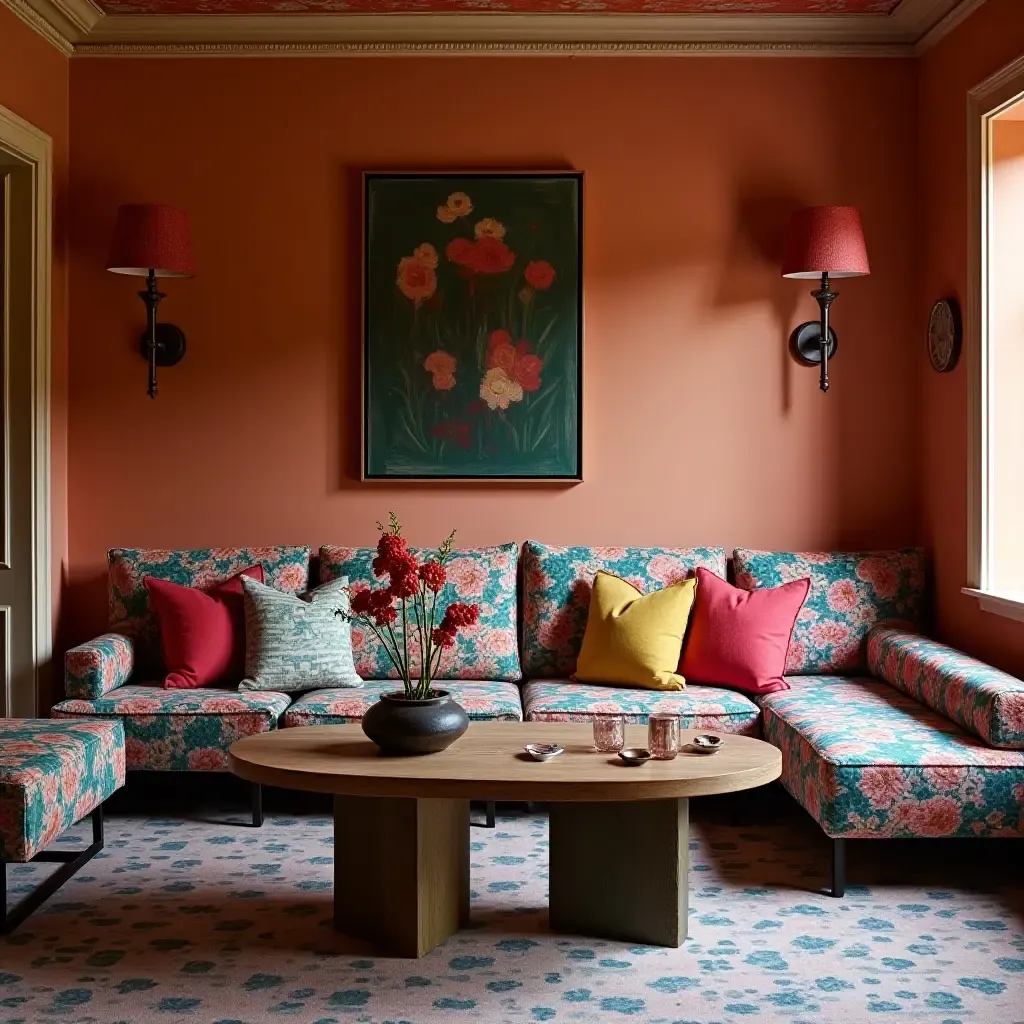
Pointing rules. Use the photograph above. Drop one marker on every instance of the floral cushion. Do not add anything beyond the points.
(97, 667)
(484, 700)
(53, 774)
(982, 699)
(557, 583)
(849, 594)
(699, 707)
(285, 568)
(181, 730)
(868, 761)
(484, 576)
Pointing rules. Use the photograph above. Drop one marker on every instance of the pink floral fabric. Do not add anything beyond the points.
(97, 667)
(985, 701)
(850, 593)
(557, 582)
(486, 577)
(868, 761)
(698, 706)
(483, 700)
(181, 730)
(53, 774)
(284, 568)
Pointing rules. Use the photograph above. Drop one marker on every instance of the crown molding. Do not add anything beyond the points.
(79, 28)
(960, 13)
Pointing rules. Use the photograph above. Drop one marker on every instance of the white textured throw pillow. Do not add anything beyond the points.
(294, 642)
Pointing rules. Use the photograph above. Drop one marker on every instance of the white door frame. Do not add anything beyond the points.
(35, 148)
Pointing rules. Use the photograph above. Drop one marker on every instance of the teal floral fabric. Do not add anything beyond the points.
(97, 667)
(868, 761)
(483, 700)
(850, 593)
(985, 701)
(52, 774)
(483, 576)
(556, 593)
(285, 568)
(698, 706)
(181, 730)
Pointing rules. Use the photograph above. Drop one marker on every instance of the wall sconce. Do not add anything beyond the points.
(825, 241)
(152, 241)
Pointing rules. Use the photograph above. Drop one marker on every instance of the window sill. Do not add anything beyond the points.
(1009, 604)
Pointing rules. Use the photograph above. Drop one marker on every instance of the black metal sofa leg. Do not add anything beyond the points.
(257, 805)
(838, 868)
(71, 861)
(490, 816)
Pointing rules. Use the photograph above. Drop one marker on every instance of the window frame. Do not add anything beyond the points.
(984, 102)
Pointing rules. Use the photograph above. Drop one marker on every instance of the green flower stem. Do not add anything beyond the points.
(383, 640)
(405, 644)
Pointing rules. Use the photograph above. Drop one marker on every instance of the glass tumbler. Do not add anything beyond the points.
(609, 733)
(663, 736)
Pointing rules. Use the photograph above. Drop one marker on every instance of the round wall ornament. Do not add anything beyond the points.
(945, 334)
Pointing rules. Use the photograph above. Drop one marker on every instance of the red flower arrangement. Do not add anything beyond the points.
(411, 592)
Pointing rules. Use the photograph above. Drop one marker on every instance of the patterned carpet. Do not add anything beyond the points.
(191, 920)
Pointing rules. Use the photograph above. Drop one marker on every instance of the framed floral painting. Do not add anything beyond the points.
(472, 326)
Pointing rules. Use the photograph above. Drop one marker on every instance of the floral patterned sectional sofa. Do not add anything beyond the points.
(883, 731)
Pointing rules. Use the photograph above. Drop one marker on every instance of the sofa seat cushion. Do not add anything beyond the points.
(557, 582)
(489, 649)
(53, 774)
(181, 730)
(868, 761)
(985, 701)
(484, 700)
(699, 707)
(850, 593)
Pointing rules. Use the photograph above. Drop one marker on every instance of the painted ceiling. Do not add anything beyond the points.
(850, 7)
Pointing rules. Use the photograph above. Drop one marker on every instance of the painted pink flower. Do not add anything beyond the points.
(939, 816)
(1011, 711)
(797, 655)
(79, 663)
(883, 786)
(842, 596)
(122, 578)
(141, 706)
(497, 643)
(944, 777)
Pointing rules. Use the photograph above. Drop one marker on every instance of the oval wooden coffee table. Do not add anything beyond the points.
(619, 850)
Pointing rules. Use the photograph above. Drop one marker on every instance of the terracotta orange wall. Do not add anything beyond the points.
(989, 39)
(698, 426)
(34, 84)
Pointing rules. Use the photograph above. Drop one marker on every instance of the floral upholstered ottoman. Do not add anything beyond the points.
(52, 774)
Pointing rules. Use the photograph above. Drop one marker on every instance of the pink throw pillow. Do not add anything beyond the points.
(203, 631)
(740, 638)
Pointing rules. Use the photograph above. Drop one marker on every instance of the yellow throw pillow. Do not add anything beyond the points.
(635, 639)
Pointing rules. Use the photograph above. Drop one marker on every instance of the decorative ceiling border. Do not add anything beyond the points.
(80, 28)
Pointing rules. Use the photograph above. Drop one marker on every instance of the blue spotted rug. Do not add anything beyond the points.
(196, 922)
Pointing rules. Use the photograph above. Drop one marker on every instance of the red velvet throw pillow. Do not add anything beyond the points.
(740, 638)
(203, 631)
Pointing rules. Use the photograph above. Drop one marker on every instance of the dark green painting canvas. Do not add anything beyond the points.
(472, 326)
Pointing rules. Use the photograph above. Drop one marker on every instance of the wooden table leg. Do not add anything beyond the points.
(619, 870)
(401, 871)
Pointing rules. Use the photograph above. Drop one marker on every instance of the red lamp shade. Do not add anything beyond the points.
(151, 237)
(825, 240)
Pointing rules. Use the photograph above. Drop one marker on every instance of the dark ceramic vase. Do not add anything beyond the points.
(402, 726)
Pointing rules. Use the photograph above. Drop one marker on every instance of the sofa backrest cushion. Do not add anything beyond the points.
(850, 593)
(983, 700)
(482, 576)
(557, 583)
(284, 567)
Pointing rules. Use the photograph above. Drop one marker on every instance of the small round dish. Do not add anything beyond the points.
(635, 756)
(544, 751)
(707, 743)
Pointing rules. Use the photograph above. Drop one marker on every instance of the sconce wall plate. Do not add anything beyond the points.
(805, 343)
(170, 344)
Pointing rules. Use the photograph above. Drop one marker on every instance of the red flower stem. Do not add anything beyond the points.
(383, 641)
